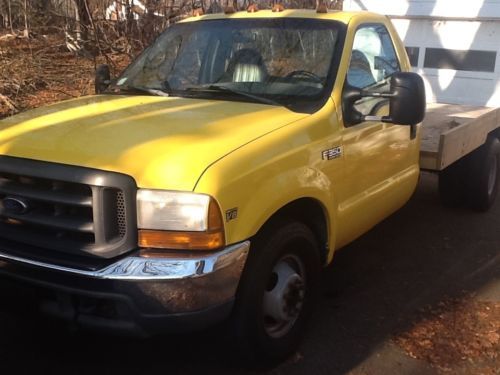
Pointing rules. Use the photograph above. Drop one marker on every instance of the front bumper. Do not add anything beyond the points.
(137, 295)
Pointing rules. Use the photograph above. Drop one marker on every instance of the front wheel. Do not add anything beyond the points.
(277, 292)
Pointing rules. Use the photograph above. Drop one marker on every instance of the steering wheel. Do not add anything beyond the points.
(305, 74)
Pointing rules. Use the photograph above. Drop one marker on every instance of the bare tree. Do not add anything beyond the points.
(26, 28)
(10, 16)
(83, 18)
(104, 26)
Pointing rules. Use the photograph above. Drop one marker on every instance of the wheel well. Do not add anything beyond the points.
(310, 212)
(495, 133)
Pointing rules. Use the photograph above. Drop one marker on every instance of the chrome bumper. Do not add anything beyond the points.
(148, 287)
(139, 268)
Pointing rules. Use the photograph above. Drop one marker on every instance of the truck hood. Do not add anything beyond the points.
(162, 142)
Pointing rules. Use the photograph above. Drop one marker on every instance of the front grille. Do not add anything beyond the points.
(120, 212)
(66, 209)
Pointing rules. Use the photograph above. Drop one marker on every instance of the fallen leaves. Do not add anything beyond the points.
(41, 71)
(456, 331)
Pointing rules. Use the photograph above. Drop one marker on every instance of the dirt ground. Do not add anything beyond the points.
(419, 294)
(41, 71)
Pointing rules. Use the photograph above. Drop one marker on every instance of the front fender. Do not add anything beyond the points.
(255, 181)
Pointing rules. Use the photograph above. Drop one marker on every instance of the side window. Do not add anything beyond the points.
(373, 58)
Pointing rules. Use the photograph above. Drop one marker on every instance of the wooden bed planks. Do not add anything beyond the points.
(451, 131)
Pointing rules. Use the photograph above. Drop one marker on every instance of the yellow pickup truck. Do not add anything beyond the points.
(215, 176)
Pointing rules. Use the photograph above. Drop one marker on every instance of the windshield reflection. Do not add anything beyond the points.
(271, 61)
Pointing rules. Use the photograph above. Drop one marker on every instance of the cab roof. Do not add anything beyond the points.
(335, 15)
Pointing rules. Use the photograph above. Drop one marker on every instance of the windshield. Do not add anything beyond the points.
(273, 61)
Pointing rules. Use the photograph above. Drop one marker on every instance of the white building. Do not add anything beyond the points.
(453, 44)
(117, 11)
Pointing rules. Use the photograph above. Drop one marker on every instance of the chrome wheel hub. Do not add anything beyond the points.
(284, 296)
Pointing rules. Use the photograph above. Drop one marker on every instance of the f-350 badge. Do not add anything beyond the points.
(332, 153)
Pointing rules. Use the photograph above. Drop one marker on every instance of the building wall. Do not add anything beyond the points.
(436, 8)
(453, 44)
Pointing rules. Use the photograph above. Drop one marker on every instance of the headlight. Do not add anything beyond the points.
(170, 210)
(178, 220)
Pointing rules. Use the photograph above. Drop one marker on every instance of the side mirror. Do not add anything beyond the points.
(407, 101)
(102, 78)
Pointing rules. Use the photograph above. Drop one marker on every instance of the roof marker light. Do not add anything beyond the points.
(197, 12)
(321, 8)
(278, 7)
(252, 8)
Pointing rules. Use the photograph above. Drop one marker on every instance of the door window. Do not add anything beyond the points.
(373, 58)
(373, 61)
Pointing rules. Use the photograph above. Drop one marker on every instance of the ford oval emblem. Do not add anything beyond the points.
(16, 206)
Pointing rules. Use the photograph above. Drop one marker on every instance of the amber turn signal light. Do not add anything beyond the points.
(156, 239)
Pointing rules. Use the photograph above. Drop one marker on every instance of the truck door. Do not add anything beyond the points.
(378, 157)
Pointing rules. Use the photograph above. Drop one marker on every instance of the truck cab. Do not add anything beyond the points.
(215, 176)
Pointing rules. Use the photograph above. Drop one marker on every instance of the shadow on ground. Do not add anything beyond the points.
(375, 289)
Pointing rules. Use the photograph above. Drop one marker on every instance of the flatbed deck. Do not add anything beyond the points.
(451, 131)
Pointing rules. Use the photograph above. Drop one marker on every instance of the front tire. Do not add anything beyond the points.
(277, 292)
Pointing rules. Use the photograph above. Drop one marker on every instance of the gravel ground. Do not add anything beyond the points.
(419, 294)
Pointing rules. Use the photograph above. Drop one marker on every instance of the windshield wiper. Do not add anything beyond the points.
(225, 89)
(140, 89)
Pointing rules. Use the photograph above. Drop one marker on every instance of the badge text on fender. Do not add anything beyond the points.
(332, 153)
(231, 214)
